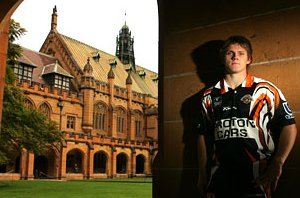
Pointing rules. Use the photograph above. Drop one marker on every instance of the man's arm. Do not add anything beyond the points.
(202, 161)
(286, 142)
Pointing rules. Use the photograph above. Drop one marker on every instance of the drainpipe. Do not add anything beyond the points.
(60, 105)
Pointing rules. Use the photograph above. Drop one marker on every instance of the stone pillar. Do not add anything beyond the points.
(131, 122)
(63, 163)
(30, 165)
(88, 90)
(3, 51)
(113, 123)
(148, 163)
(129, 109)
(113, 162)
(57, 167)
(85, 165)
(90, 163)
(8, 7)
(23, 164)
(111, 84)
(133, 162)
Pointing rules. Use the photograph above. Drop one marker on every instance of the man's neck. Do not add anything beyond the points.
(235, 80)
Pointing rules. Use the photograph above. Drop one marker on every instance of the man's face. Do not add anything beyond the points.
(236, 59)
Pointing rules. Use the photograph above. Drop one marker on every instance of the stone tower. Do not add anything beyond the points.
(88, 90)
(124, 49)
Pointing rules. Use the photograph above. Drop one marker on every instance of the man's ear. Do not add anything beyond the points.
(249, 61)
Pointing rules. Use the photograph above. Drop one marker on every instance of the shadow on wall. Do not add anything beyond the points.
(209, 70)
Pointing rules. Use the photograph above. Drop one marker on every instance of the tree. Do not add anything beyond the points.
(22, 128)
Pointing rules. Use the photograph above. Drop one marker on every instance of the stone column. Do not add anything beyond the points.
(148, 163)
(8, 7)
(23, 164)
(63, 163)
(133, 162)
(113, 162)
(91, 163)
(30, 165)
(113, 123)
(57, 167)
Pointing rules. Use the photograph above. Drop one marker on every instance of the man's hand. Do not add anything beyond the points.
(270, 178)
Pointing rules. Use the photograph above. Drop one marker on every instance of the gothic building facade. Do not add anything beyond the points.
(105, 105)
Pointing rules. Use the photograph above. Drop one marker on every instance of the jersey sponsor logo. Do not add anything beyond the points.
(246, 99)
(229, 108)
(234, 128)
(288, 111)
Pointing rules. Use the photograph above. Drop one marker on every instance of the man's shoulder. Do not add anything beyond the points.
(211, 89)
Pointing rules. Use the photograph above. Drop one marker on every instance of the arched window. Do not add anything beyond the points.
(138, 124)
(100, 117)
(28, 104)
(45, 109)
(121, 120)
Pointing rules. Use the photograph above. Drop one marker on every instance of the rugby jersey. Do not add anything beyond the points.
(246, 121)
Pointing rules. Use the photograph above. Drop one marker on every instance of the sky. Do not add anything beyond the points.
(94, 22)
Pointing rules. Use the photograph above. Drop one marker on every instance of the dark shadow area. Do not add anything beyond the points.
(209, 70)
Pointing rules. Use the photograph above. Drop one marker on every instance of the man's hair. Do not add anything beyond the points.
(236, 39)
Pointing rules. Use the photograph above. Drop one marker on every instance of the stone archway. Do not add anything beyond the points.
(40, 167)
(7, 9)
(74, 161)
(100, 162)
(140, 164)
(122, 162)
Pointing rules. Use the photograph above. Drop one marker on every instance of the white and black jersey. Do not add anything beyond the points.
(245, 122)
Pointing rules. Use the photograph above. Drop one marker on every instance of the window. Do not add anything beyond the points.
(70, 122)
(45, 109)
(138, 124)
(121, 120)
(61, 82)
(99, 117)
(23, 72)
(28, 104)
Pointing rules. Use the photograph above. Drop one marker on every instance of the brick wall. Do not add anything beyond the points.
(187, 40)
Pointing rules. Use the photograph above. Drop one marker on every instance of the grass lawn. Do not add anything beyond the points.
(106, 188)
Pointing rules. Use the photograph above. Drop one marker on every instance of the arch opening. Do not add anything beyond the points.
(122, 163)
(74, 161)
(100, 162)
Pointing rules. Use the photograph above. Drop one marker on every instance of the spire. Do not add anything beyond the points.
(54, 19)
(111, 74)
(88, 69)
(125, 25)
(129, 79)
(124, 49)
(125, 17)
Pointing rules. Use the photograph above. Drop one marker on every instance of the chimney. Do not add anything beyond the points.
(54, 19)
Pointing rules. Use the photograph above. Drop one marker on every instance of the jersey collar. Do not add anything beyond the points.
(225, 87)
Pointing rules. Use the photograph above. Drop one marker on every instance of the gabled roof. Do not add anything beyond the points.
(80, 52)
(55, 68)
(38, 60)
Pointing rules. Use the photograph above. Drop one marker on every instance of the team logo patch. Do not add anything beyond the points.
(246, 99)
(287, 108)
(288, 111)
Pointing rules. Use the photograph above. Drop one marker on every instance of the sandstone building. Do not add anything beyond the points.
(105, 105)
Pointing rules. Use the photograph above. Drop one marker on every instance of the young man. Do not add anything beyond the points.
(251, 128)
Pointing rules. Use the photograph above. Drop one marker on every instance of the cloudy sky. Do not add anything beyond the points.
(94, 22)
